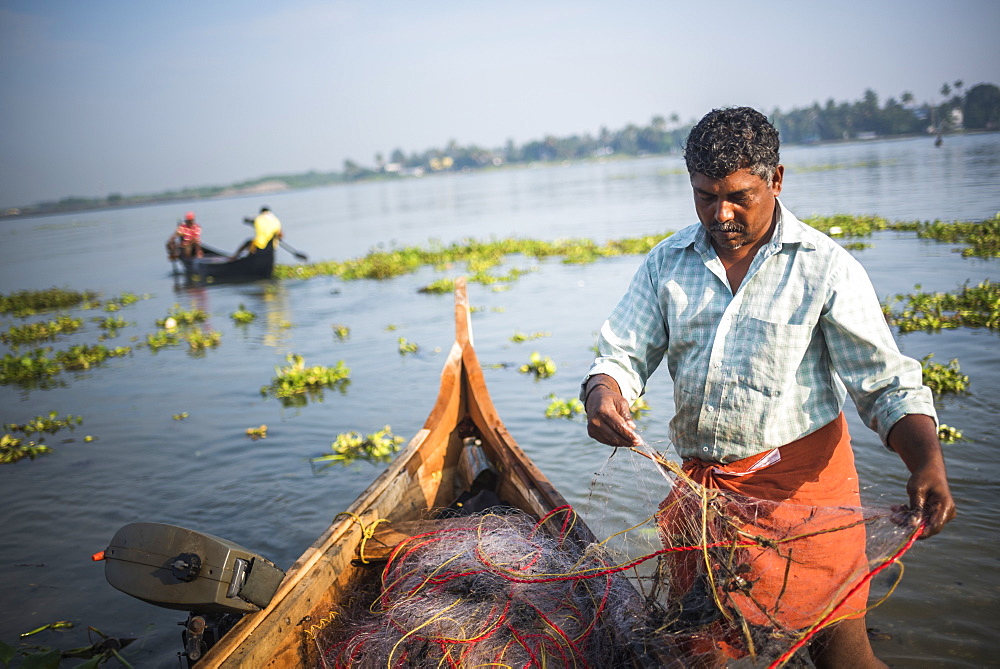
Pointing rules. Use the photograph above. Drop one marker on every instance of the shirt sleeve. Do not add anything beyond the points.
(633, 340)
(884, 384)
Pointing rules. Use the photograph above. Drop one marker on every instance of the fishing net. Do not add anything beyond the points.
(500, 589)
(700, 577)
(734, 580)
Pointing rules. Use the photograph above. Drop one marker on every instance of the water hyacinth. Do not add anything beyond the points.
(27, 302)
(30, 333)
(242, 316)
(943, 379)
(971, 306)
(407, 347)
(479, 256)
(13, 448)
(177, 316)
(295, 382)
(379, 446)
(541, 367)
(560, 408)
(982, 237)
(520, 337)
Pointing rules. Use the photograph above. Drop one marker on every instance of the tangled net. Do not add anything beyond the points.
(709, 577)
(500, 590)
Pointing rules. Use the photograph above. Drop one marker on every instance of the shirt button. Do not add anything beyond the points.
(718, 364)
(710, 408)
(705, 448)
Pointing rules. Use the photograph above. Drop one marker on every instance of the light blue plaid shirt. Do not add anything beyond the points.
(770, 364)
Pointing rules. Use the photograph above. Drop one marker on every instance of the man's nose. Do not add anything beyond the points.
(723, 211)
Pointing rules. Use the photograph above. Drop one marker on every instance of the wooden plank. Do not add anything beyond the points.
(388, 536)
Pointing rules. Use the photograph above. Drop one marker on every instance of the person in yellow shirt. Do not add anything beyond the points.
(266, 228)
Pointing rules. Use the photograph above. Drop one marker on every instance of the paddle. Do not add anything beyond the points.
(298, 254)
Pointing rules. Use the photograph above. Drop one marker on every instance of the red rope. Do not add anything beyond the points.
(860, 584)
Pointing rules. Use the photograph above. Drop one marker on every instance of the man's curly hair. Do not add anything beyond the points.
(727, 140)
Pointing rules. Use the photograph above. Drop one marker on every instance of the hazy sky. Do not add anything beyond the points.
(120, 96)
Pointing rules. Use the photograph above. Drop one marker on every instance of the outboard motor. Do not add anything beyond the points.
(216, 581)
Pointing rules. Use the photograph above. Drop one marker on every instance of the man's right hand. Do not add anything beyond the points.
(609, 419)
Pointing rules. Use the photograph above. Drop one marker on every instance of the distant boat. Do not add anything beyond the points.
(938, 141)
(216, 267)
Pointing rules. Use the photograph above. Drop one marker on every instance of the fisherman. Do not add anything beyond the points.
(186, 239)
(766, 325)
(266, 227)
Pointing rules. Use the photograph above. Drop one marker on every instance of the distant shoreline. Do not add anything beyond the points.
(272, 184)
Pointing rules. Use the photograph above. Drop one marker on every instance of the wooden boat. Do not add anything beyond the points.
(216, 267)
(427, 474)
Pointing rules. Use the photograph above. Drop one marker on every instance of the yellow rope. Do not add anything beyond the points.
(367, 531)
(323, 622)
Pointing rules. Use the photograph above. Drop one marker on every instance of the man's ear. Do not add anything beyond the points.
(779, 173)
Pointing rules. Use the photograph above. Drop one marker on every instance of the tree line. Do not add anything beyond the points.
(958, 109)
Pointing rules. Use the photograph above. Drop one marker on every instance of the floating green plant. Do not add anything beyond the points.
(177, 316)
(948, 434)
(45, 424)
(256, 433)
(379, 446)
(85, 356)
(848, 225)
(943, 379)
(982, 237)
(242, 316)
(406, 347)
(123, 300)
(478, 255)
(180, 416)
(971, 306)
(857, 246)
(13, 448)
(199, 341)
(162, 338)
(41, 331)
(638, 408)
(37, 656)
(341, 332)
(439, 287)
(32, 369)
(825, 167)
(520, 337)
(487, 279)
(37, 369)
(111, 324)
(295, 382)
(28, 302)
(541, 367)
(560, 408)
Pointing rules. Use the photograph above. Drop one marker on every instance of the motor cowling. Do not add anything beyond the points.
(182, 569)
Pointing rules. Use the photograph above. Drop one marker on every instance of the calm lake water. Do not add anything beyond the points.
(205, 473)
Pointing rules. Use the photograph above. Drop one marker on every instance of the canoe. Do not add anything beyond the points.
(216, 267)
(426, 475)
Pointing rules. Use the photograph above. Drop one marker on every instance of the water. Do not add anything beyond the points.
(205, 473)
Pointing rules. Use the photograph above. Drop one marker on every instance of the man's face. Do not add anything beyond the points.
(737, 210)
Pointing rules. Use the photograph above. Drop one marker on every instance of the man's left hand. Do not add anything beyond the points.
(914, 438)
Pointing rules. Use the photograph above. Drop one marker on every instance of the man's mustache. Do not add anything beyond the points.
(726, 227)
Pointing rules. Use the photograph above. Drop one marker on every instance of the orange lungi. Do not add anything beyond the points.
(802, 501)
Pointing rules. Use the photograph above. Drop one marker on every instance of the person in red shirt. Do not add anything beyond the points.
(186, 239)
